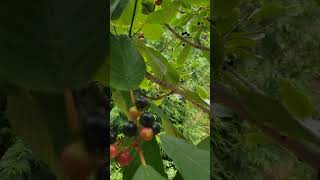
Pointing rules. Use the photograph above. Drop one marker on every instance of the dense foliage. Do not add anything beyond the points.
(266, 56)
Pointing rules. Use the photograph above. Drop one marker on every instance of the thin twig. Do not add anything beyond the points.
(198, 46)
(239, 23)
(176, 90)
(133, 15)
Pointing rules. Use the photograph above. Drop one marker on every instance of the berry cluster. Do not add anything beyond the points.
(185, 33)
(140, 127)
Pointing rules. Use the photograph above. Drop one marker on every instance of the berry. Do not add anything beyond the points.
(76, 163)
(113, 151)
(130, 129)
(183, 44)
(188, 34)
(134, 113)
(141, 103)
(146, 119)
(156, 128)
(158, 2)
(141, 35)
(94, 132)
(146, 134)
(124, 158)
(113, 137)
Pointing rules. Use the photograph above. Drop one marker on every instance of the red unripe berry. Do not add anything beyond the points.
(76, 163)
(113, 151)
(146, 134)
(124, 158)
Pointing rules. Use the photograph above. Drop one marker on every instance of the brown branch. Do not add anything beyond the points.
(158, 97)
(173, 87)
(224, 96)
(198, 46)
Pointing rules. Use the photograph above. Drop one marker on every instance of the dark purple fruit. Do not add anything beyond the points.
(156, 128)
(130, 129)
(146, 119)
(141, 103)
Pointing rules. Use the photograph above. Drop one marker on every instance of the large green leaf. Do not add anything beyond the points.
(52, 45)
(164, 15)
(297, 103)
(151, 152)
(269, 112)
(159, 64)
(192, 162)
(147, 173)
(117, 7)
(127, 67)
(40, 120)
(183, 55)
(268, 10)
(152, 31)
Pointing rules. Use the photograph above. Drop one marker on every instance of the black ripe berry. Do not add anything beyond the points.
(141, 103)
(130, 129)
(183, 33)
(94, 132)
(155, 128)
(146, 119)
(113, 137)
(188, 34)
(198, 23)
(183, 44)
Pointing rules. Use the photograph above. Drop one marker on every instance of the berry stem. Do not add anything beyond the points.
(133, 99)
(141, 156)
(72, 113)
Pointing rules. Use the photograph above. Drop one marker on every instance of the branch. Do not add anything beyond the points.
(133, 15)
(198, 46)
(158, 97)
(173, 87)
(223, 95)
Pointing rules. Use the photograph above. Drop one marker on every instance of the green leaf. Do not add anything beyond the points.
(164, 15)
(268, 10)
(52, 49)
(159, 64)
(127, 67)
(122, 100)
(117, 7)
(151, 152)
(198, 2)
(192, 162)
(167, 124)
(148, 6)
(269, 112)
(147, 173)
(183, 20)
(204, 144)
(202, 92)
(240, 42)
(152, 31)
(223, 8)
(40, 120)
(297, 103)
(183, 55)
